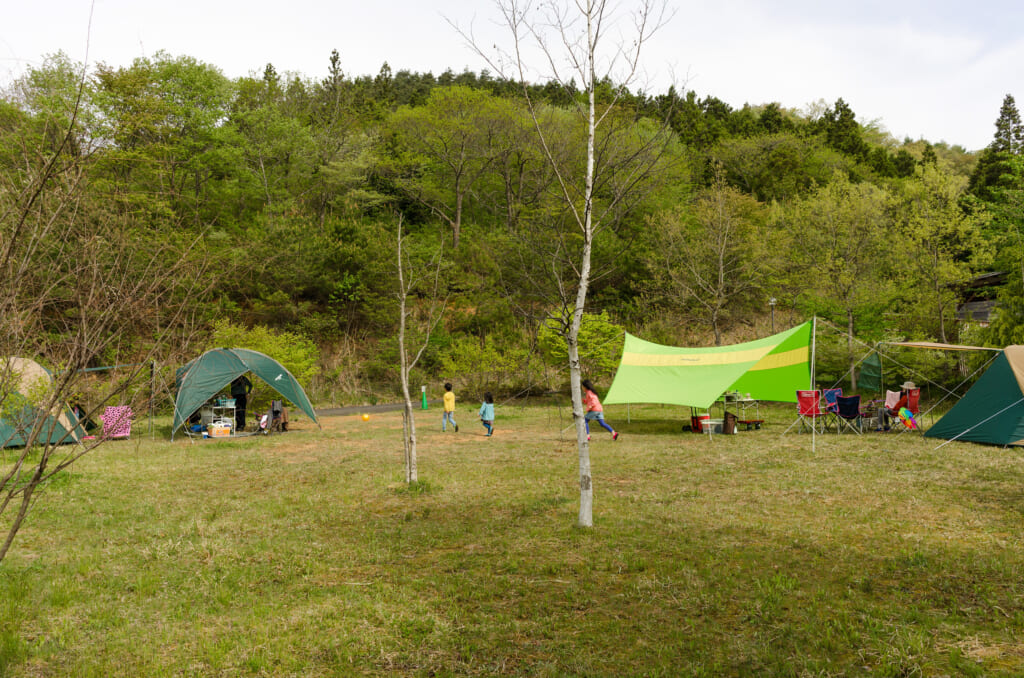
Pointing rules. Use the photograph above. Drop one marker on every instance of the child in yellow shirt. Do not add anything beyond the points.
(449, 408)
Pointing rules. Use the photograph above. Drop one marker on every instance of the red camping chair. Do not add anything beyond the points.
(808, 410)
(914, 401)
(914, 405)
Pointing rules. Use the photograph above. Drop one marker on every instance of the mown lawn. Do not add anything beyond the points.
(305, 555)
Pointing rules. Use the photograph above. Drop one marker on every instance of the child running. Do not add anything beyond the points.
(449, 409)
(487, 413)
(594, 409)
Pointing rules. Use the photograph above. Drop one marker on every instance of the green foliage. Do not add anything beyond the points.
(710, 259)
(944, 246)
(298, 354)
(1006, 326)
(600, 345)
(991, 172)
(842, 131)
(291, 182)
(479, 366)
(1004, 232)
(777, 166)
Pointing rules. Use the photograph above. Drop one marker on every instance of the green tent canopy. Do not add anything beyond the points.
(773, 368)
(992, 411)
(204, 376)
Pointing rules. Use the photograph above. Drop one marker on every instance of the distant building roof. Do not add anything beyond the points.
(977, 311)
(983, 287)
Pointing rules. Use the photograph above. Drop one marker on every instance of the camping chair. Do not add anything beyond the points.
(848, 414)
(830, 409)
(914, 407)
(117, 422)
(808, 409)
(914, 403)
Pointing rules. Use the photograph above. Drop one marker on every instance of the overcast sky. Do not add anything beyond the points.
(932, 69)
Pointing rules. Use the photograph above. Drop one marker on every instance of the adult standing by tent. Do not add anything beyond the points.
(241, 387)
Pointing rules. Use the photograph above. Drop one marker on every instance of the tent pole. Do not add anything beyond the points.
(152, 395)
(814, 346)
(814, 339)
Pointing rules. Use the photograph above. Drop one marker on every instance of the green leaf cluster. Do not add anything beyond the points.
(600, 342)
(296, 353)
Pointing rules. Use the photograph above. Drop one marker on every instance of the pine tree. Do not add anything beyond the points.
(842, 132)
(1009, 131)
(1008, 142)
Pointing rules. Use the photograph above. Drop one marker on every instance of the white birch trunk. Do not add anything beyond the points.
(408, 420)
(586, 515)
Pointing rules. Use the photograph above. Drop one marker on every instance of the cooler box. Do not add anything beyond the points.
(219, 430)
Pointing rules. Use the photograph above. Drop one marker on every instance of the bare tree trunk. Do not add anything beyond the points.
(107, 298)
(586, 515)
(407, 281)
(408, 421)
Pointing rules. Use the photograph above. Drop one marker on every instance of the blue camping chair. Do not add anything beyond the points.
(830, 407)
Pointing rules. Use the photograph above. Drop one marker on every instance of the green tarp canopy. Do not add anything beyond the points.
(203, 377)
(773, 368)
(23, 377)
(992, 411)
(870, 378)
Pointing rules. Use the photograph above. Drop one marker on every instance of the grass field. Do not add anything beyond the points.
(305, 555)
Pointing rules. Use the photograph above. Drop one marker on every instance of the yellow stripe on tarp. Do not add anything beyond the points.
(751, 355)
(796, 356)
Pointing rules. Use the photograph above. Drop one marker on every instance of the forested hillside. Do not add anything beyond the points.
(272, 202)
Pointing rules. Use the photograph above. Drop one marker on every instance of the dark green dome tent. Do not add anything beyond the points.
(203, 377)
(992, 411)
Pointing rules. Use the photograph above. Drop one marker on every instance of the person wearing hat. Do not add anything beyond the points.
(885, 411)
